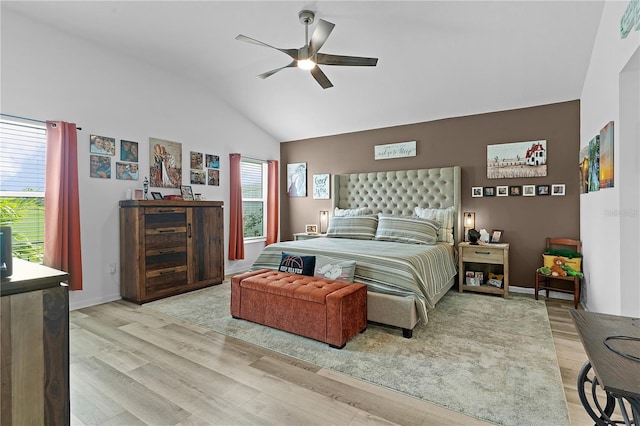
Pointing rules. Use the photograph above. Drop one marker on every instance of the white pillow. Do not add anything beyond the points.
(360, 211)
(444, 216)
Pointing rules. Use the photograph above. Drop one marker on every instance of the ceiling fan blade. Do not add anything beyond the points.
(357, 61)
(272, 72)
(320, 35)
(293, 53)
(322, 79)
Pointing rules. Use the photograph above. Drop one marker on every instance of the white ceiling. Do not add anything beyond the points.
(437, 59)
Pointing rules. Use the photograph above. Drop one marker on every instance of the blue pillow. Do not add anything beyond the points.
(296, 264)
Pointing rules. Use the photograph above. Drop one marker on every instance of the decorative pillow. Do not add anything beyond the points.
(354, 227)
(360, 211)
(446, 217)
(296, 264)
(335, 269)
(407, 229)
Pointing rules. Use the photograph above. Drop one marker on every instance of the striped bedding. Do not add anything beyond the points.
(424, 271)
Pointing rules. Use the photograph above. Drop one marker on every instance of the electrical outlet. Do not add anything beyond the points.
(112, 268)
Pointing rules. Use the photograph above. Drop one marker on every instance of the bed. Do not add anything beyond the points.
(404, 281)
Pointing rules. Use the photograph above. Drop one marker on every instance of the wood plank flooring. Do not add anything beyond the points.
(131, 366)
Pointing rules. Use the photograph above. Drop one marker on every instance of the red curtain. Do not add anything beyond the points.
(272, 202)
(62, 202)
(236, 231)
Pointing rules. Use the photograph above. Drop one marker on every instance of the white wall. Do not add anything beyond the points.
(48, 75)
(609, 218)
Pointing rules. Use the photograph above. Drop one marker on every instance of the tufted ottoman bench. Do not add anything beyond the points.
(324, 310)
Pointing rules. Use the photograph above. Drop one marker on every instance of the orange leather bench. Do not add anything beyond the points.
(329, 311)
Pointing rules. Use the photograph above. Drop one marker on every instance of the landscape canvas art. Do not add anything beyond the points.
(517, 160)
(606, 156)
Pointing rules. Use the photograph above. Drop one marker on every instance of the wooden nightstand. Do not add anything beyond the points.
(305, 236)
(483, 258)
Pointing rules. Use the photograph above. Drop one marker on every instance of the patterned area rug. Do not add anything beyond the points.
(481, 355)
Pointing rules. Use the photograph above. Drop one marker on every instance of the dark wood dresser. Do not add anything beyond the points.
(35, 346)
(169, 247)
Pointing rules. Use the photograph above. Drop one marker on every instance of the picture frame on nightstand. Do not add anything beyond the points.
(311, 229)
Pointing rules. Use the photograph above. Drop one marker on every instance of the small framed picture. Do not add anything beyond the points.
(515, 191)
(528, 190)
(187, 192)
(156, 195)
(311, 229)
(557, 189)
(496, 235)
(476, 191)
(542, 190)
(489, 191)
(502, 191)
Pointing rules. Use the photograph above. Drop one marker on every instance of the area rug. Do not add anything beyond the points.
(484, 356)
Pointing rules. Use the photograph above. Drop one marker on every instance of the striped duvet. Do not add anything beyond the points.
(425, 271)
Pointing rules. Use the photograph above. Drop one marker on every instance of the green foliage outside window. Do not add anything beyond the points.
(23, 214)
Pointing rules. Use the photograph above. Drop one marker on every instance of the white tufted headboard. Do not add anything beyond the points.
(399, 192)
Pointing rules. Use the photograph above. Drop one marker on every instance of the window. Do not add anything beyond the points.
(22, 172)
(254, 191)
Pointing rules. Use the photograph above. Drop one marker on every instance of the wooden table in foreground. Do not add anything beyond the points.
(34, 332)
(617, 375)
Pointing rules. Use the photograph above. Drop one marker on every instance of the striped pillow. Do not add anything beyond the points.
(407, 229)
(354, 227)
(444, 216)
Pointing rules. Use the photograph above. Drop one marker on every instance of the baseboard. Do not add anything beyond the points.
(97, 301)
(552, 294)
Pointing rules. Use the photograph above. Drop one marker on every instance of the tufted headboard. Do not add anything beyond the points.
(399, 192)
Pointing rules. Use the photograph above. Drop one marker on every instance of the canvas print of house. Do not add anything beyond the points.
(517, 160)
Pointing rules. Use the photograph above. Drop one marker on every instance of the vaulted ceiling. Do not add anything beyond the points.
(437, 59)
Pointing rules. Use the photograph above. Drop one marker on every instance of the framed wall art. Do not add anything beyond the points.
(489, 191)
(557, 189)
(165, 163)
(502, 191)
(476, 191)
(542, 190)
(196, 160)
(528, 190)
(321, 186)
(102, 145)
(517, 160)
(297, 179)
(128, 151)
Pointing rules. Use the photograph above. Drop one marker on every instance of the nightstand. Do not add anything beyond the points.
(483, 258)
(305, 236)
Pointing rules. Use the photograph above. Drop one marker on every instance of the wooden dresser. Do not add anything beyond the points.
(35, 346)
(169, 247)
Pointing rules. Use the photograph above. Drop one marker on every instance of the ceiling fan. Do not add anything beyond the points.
(308, 56)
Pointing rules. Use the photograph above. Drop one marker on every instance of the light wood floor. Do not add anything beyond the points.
(131, 365)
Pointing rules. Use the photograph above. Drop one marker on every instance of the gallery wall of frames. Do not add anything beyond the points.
(165, 164)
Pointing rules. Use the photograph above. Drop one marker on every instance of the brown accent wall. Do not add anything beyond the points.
(462, 141)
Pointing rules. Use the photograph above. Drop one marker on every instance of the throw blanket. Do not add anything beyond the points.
(423, 271)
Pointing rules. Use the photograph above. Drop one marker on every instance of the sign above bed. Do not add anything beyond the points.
(395, 150)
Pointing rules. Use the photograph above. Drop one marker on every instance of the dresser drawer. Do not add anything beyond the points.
(165, 219)
(166, 278)
(483, 254)
(156, 241)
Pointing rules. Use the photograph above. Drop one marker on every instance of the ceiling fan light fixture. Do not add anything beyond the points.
(306, 64)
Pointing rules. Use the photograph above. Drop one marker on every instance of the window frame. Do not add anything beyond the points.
(262, 199)
(35, 136)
